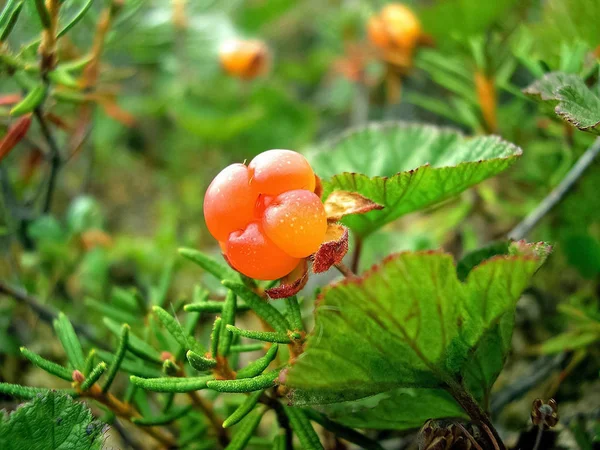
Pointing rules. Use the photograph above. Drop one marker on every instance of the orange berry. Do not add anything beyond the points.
(244, 59)
(401, 24)
(229, 202)
(377, 33)
(276, 171)
(250, 252)
(296, 222)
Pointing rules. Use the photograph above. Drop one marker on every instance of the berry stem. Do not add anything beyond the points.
(345, 270)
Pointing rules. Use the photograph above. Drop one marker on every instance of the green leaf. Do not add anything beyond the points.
(218, 269)
(569, 341)
(267, 336)
(66, 334)
(133, 367)
(228, 319)
(94, 376)
(260, 306)
(136, 345)
(110, 312)
(471, 260)
(119, 357)
(18, 391)
(52, 421)
(243, 410)
(245, 430)
(303, 429)
(184, 339)
(399, 409)
(199, 362)
(294, 313)
(572, 100)
(48, 366)
(411, 323)
(407, 167)
(11, 22)
(263, 381)
(212, 307)
(214, 337)
(343, 432)
(169, 384)
(246, 348)
(257, 366)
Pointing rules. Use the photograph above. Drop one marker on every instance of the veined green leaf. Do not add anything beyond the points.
(572, 100)
(54, 421)
(407, 167)
(412, 323)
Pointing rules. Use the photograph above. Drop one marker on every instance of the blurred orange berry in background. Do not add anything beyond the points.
(395, 32)
(244, 59)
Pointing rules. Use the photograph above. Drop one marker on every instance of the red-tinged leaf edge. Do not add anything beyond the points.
(292, 283)
(344, 203)
(332, 250)
(14, 135)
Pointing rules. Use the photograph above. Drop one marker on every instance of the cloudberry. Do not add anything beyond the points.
(266, 216)
(395, 27)
(244, 59)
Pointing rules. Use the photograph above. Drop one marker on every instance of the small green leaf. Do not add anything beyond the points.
(169, 384)
(214, 337)
(407, 167)
(267, 336)
(170, 368)
(200, 363)
(218, 269)
(569, 341)
(471, 260)
(212, 307)
(27, 392)
(76, 18)
(245, 430)
(572, 100)
(303, 429)
(52, 421)
(94, 376)
(133, 367)
(246, 348)
(110, 312)
(119, 357)
(66, 334)
(48, 366)
(31, 101)
(228, 319)
(184, 339)
(343, 432)
(164, 419)
(258, 366)
(243, 410)
(263, 381)
(294, 314)
(11, 21)
(263, 309)
(136, 345)
(43, 13)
